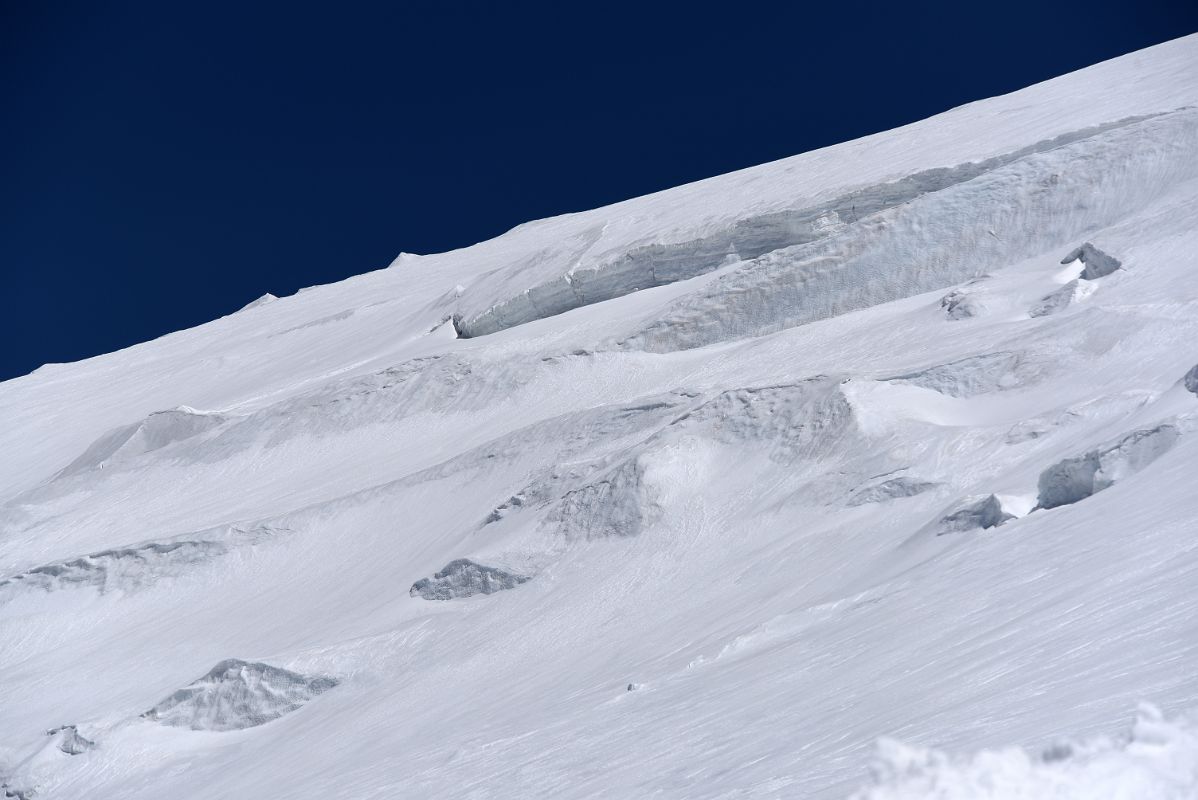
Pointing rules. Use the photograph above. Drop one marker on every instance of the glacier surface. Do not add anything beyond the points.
(701, 494)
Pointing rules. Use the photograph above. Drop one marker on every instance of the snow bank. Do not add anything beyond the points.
(801, 420)
(238, 694)
(984, 514)
(959, 304)
(620, 503)
(68, 740)
(124, 568)
(131, 568)
(1098, 264)
(1157, 760)
(1077, 478)
(1057, 300)
(464, 578)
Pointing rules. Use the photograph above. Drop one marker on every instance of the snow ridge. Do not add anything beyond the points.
(697, 495)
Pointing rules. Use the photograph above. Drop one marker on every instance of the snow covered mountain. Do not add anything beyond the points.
(697, 495)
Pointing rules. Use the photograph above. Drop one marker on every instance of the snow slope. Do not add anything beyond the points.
(697, 495)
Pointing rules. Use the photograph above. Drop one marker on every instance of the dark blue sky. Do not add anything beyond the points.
(165, 163)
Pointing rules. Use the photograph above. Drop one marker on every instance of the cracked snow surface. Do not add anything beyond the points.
(697, 495)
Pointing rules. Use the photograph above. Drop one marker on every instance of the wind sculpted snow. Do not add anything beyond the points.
(646, 500)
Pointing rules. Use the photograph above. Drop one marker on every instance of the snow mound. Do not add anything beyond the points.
(800, 420)
(156, 431)
(891, 490)
(1157, 760)
(605, 492)
(69, 741)
(794, 422)
(1098, 264)
(583, 444)
(1057, 300)
(1079, 477)
(621, 503)
(984, 514)
(238, 694)
(959, 304)
(464, 578)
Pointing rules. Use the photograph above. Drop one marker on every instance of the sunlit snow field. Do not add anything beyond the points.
(699, 495)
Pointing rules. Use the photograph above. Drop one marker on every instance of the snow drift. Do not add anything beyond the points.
(1156, 760)
(699, 444)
